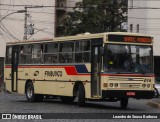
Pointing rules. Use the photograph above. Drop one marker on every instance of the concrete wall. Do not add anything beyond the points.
(71, 3)
(136, 16)
(148, 19)
(42, 18)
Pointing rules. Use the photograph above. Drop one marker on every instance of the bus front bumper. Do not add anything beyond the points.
(127, 93)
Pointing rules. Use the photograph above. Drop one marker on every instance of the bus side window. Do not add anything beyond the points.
(37, 53)
(86, 49)
(82, 51)
(78, 54)
(51, 53)
(24, 54)
(21, 55)
(66, 52)
(8, 55)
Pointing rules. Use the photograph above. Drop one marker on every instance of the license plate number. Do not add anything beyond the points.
(131, 94)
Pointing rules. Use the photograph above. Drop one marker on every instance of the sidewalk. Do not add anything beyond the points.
(154, 102)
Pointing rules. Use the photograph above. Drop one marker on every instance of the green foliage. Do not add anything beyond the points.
(95, 16)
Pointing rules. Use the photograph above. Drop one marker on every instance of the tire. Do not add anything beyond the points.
(81, 96)
(67, 99)
(30, 95)
(124, 103)
(156, 94)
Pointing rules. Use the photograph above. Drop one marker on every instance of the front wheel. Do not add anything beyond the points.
(31, 96)
(124, 103)
(156, 94)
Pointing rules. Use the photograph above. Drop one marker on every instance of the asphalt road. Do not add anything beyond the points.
(14, 103)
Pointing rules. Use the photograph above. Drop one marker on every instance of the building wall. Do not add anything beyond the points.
(43, 18)
(148, 18)
(72, 3)
(154, 25)
(136, 16)
(12, 29)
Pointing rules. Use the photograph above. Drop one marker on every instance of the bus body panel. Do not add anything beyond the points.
(60, 78)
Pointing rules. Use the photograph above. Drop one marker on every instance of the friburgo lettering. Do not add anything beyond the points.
(53, 73)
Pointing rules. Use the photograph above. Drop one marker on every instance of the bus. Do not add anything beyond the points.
(110, 66)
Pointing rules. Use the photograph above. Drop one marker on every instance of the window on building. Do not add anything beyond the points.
(137, 28)
(131, 3)
(131, 27)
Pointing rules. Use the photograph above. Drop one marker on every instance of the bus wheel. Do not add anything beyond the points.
(30, 92)
(124, 103)
(31, 96)
(156, 94)
(67, 99)
(81, 95)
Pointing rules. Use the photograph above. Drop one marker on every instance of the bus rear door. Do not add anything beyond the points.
(14, 69)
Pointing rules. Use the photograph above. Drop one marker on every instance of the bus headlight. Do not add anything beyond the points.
(148, 85)
(143, 85)
(111, 84)
(116, 85)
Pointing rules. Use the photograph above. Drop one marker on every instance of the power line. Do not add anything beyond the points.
(36, 21)
(31, 6)
(30, 11)
(35, 6)
(7, 31)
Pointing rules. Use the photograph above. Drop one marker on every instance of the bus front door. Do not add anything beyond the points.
(95, 71)
(14, 69)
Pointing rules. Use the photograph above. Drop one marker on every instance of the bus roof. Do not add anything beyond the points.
(77, 37)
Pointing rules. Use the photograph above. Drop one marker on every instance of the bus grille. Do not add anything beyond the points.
(125, 79)
(130, 85)
(127, 82)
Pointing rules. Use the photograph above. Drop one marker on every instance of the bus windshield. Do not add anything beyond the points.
(128, 59)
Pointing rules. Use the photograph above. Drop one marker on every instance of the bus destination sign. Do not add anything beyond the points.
(129, 39)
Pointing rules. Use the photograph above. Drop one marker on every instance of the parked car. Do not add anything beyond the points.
(157, 88)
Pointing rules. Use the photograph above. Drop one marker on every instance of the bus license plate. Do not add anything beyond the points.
(131, 94)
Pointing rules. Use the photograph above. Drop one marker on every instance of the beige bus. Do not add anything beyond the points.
(113, 66)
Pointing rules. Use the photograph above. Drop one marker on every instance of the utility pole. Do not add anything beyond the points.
(25, 20)
(25, 24)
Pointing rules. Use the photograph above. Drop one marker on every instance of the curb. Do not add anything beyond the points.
(154, 104)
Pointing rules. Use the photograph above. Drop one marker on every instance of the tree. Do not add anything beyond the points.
(95, 16)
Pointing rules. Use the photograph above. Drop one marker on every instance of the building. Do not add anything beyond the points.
(39, 21)
(63, 7)
(144, 17)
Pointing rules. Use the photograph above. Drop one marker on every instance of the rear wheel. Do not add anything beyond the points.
(124, 103)
(81, 95)
(31, 96)
(156, 94)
